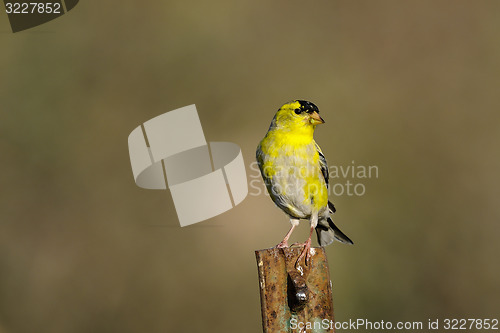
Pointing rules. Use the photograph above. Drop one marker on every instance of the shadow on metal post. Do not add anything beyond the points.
(294, 297)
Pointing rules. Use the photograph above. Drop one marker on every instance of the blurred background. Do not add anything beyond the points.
(410, 87)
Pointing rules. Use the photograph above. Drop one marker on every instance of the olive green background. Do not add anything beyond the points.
(409, 86)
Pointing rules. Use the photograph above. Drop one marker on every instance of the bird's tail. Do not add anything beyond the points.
(327, 232)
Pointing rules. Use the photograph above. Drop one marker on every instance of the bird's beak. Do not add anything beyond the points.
(316, 119)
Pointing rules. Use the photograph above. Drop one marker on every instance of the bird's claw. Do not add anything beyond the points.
(282, 245)
(305, 253)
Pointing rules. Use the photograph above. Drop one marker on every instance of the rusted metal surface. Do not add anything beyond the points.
(290, 297)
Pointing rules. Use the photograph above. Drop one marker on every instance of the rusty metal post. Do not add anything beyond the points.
(295, 300)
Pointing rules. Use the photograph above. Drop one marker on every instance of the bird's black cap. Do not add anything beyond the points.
(307, 106)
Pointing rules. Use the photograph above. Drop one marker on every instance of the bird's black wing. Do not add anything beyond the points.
(324, 170)
(323, 165)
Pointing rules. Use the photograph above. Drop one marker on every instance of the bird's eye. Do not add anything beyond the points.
(298, 111)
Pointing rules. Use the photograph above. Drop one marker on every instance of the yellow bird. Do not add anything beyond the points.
(296, 173)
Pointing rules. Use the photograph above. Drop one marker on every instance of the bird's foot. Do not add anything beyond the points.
(282, 245)
(305, 253)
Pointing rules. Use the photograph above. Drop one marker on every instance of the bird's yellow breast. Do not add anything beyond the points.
(290, 166)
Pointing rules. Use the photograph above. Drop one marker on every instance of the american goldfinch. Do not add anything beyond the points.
(296, 173)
